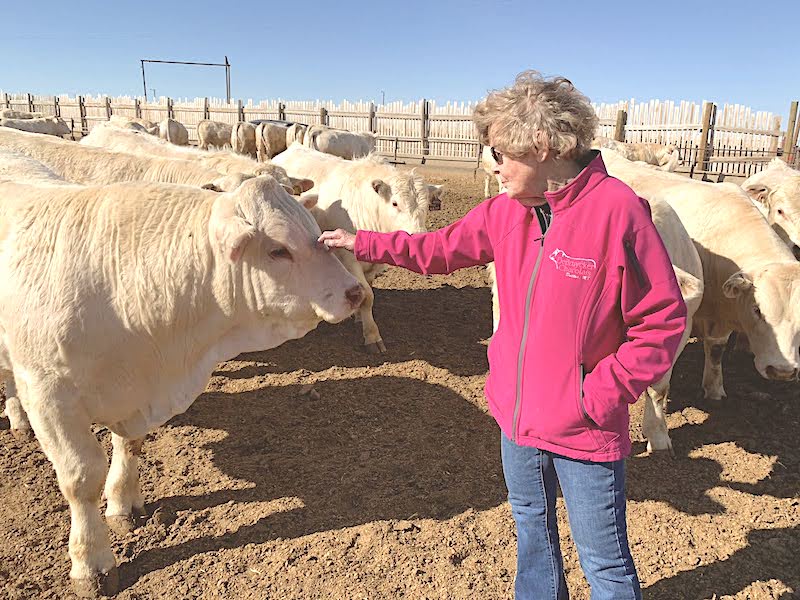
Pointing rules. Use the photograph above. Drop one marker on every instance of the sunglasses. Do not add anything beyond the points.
(497, 156)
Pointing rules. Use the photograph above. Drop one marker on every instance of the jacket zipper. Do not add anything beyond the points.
(637, 267)
(522, 344)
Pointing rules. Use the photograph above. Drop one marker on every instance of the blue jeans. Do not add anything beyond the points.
(595, 497)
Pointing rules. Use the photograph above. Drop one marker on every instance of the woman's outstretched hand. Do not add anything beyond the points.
(338, 238)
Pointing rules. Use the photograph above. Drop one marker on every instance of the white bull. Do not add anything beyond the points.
(295, 133)
(87, 165)
(10, 113)
(47, 125)
(776, 192)
(343, 144)
(224, 161)
(489, 166)
(173, 132)
(664, 156)
(243, 138)
(116, 306)
(752, 281)
(134, 123)
(362, 194)
(270, 140)
(213, 133)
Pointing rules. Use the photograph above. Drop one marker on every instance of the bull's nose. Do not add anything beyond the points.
(355, 296)
(781, 374)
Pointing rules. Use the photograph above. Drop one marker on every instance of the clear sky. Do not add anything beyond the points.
(739, 52)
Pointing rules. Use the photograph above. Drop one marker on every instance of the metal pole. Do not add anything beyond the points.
(144, 83)
(228, 80)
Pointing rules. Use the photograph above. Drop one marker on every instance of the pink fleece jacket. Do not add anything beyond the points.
(590, 313)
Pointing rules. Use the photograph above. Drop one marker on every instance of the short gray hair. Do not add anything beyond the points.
(537, 113)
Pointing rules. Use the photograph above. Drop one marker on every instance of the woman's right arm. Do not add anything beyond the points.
(464, 243)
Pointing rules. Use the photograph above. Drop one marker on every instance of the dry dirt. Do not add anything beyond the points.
(390, 485)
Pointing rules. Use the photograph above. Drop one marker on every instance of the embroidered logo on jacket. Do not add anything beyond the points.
(576, 268)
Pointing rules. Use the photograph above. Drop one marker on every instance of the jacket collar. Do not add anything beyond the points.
(582, 184)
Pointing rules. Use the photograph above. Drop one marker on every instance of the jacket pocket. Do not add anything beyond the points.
(581, 404)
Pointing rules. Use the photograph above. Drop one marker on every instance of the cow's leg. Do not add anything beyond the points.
(490, 272)
(372, 336)
(712, 370)
(123, 494)
(18, 419)
(654, 422)
(64, 433)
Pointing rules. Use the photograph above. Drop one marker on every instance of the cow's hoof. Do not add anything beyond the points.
(376, 347)
(121, 525)
(662, 453)
(102, 584)
(715, 400)
(23, 435)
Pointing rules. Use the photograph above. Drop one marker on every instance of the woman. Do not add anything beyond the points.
(591, 314)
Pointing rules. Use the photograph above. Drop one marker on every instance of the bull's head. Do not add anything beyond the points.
(768, 311)
(780, 201)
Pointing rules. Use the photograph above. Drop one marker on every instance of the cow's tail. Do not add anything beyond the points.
(312, 142)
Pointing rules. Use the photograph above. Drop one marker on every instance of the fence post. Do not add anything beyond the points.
(281, 111)
(773, 146)
(323, 115)
(82, 113)
(791, 127)
(108, 108)
(423, 128)
(239, 110)
(372, 124)
(30, 103)
(619, 128)
(7, 100)
(705, 134)
(56, 107)
(206, 110)
(137, 108)
(170, 109)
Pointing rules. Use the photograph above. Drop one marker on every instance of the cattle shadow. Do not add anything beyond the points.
(445, 326)
(759, 416)
(769, 554)
(371, 449)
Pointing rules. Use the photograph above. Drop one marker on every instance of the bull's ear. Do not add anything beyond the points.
(211, 186)
(301, 185)
(758, 192)
(737, 284)
(232, 235)
(309, 200)
(382, 188)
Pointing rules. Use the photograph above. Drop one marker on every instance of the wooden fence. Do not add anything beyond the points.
(729, 139)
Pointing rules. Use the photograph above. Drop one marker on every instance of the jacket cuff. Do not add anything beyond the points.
(361, 250)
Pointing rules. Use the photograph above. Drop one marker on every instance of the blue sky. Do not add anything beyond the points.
(742, 52)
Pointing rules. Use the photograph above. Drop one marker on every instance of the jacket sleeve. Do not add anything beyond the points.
(654, 313)
(464, 243)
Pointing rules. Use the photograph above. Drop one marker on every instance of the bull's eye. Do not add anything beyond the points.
(280, 253)
(394, 204)
(757, 312)
(780, 211)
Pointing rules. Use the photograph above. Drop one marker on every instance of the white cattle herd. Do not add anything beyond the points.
(133, 263)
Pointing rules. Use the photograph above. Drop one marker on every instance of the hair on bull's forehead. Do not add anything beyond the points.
(277, 205)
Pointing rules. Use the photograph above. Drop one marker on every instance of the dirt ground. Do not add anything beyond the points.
(390, 485)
